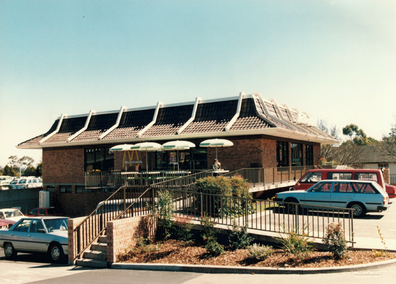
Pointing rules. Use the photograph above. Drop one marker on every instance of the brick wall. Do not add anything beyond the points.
(63, 165)
(122, 234)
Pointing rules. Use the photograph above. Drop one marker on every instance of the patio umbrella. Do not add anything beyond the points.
(177, 145)
(216, 143)
(146, 146)
(120, 148)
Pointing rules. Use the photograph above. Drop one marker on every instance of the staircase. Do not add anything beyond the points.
(96, 255)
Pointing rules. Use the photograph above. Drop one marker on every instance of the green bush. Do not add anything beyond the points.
(164, 213)
(238, 237)
(209, 236)
(183, 228)
(335, 240)
(260, 252)
(231, 196)
(296, 243)
(214, 248)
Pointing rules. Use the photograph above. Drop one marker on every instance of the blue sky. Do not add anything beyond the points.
(333, 59)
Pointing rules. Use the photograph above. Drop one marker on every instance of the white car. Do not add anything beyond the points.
(5, 181)
(361, 196)
(12, 214)
(37, 234)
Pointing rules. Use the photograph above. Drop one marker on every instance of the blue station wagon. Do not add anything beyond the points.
(361, 196)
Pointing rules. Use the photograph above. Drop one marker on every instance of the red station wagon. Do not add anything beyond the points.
(313, 176)
(46, 211)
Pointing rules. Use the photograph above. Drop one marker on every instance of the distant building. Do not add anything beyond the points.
(264, 133)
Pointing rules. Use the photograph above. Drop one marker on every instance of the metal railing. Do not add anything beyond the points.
(255, 176)
(261, 215)
(126, 202)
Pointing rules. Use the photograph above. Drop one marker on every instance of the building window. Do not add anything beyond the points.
(80, 189)
(309, 155)
(282, 154)
(65, 189)
(296, 154)
(98, 159)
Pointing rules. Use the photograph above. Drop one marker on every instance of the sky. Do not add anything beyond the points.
(335, 60)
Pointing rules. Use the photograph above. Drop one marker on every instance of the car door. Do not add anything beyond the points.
(36, 237)
(19, 234)
(319, 194)
(342, 194)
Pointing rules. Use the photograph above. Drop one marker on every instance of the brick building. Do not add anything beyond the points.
(264, 133)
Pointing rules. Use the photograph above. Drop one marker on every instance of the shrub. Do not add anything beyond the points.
(238, 237)
(260, 252)
(164, 213)
(231, 196)
(335, 240)
(209, 236)
(183, 228)
(296, 243)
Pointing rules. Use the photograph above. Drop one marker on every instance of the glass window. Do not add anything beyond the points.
(321, 187)
(98, 159)
(312, 177)
(282, 154)
(364, 188)
(296, 154)
(65, 189)
(342, 187)
(309, 155)
(366, 176)
(23, 226)
(346, 176)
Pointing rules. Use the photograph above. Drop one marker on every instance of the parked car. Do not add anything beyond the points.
(36, 234)
(14, 183)
(45, 211)
(5, 181)
(28, 182)
(361, 196)
(11, 214)
(313, 176)
(6, 224)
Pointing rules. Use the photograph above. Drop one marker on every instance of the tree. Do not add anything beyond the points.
(39, 170)
(30, 171)
(357, 136)
(23, 162)
(9, 171)
(388, 143)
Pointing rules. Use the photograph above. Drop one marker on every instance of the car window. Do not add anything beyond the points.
(321, 187)
(56, 224)
(36, 225)
(23, 226)
(312, 177)
(42, 212)
(366, 176)
(33, 212)
(2, 215)
(366, 188)
(346, 176)
(342, 187)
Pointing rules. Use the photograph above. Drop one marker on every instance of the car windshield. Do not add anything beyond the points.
(56, 224)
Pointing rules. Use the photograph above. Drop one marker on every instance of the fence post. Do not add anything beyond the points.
(201, 204)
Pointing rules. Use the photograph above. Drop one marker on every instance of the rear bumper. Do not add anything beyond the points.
(382, 208)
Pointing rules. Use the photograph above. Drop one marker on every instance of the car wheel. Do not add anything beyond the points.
(56, 253)
(9, 251)
(358, 210)
(291, 208)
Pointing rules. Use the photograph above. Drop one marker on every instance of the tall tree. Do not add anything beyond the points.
(357, 135)
(388, 143)
(23, 162)
(9, 171)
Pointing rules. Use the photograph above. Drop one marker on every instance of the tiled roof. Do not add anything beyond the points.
(131, 123)
(199, 119)
(212, 117)
(69, 127)
(97, 126)
(169, 121)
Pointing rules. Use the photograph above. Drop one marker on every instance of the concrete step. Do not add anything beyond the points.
(92, 263)
(95, 255)
(99, 247)
(102, 239)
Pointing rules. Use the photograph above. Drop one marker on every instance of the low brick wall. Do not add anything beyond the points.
(71, 225)
(122, 234)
